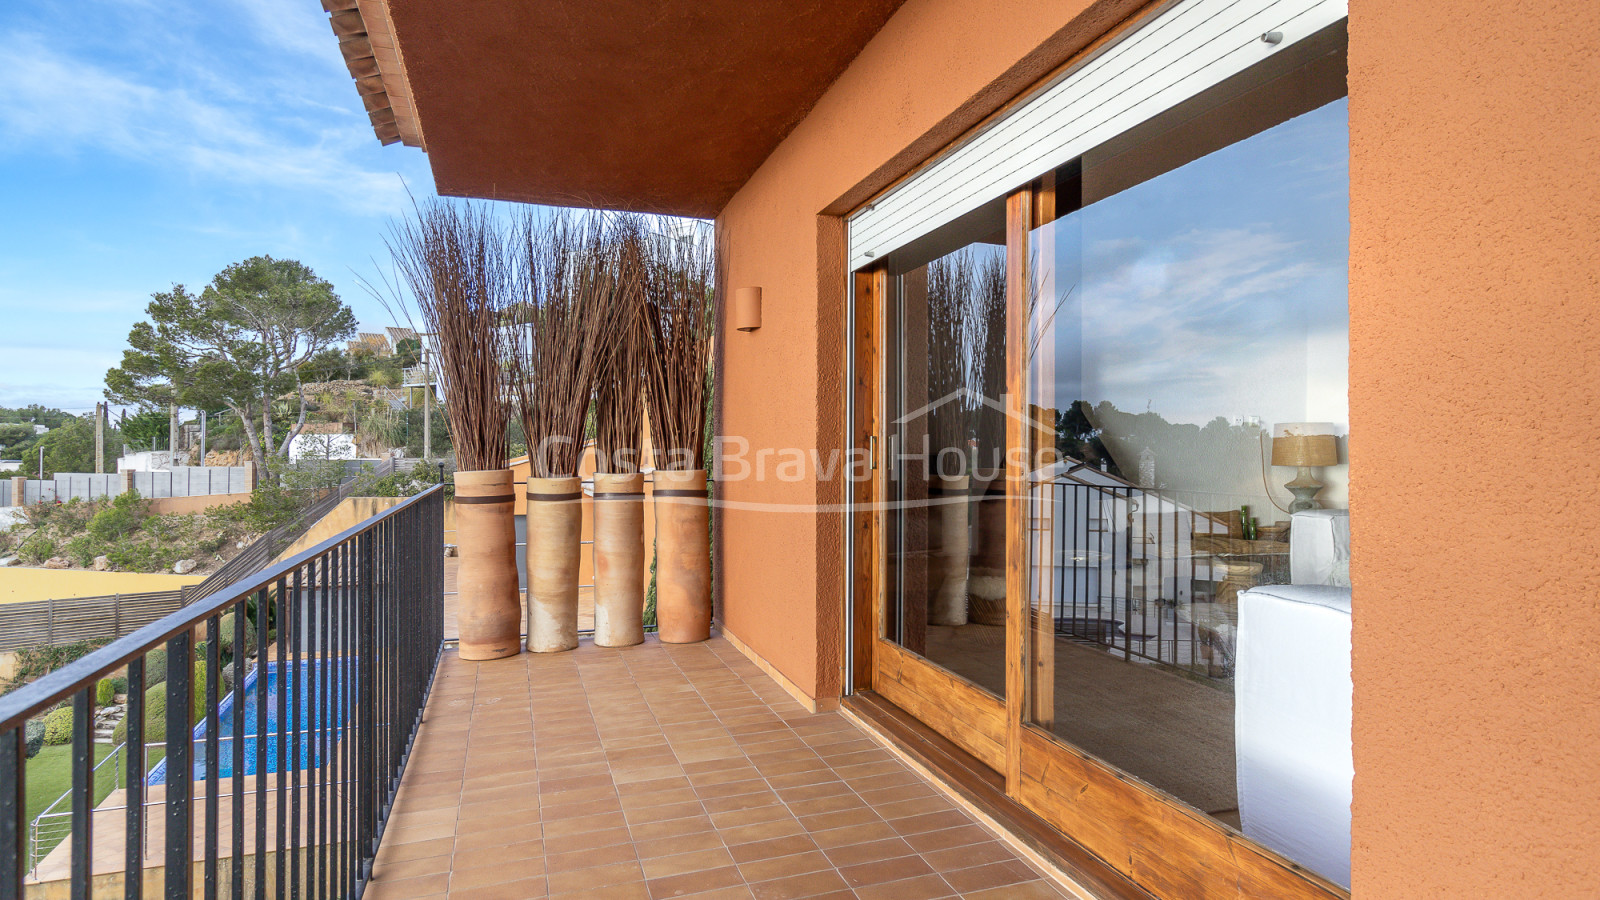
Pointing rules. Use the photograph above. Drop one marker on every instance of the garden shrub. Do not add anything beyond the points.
(155, 666)
(227, 636)
(104, 692)
(58, 727)
(121, 518)
(119, 684)
(155, 718)
(33, 736)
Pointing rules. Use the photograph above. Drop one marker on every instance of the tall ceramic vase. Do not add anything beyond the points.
(618, 560)
(949, 603)
(683, 556)
(488, 609)
(555, 524)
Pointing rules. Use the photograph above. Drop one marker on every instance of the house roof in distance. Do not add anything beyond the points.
(661, 106)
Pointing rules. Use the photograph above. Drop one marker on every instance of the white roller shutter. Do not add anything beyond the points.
(1171, 58)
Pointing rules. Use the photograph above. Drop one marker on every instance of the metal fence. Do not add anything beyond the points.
(1149, 575)
(347, 638)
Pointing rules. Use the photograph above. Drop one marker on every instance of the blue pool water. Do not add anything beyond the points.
(322, 711)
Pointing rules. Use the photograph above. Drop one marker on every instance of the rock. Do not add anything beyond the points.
(9, 561)
(102, 564)
(451, 550)
(184, 566)
(58, 562)
(238, 545)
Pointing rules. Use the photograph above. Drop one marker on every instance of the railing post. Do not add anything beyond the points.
(180, 766)
(366, 743)
(13, 823)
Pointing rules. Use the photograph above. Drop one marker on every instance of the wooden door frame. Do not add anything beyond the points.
(1146, 834)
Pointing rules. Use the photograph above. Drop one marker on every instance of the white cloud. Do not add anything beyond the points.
(64, 103)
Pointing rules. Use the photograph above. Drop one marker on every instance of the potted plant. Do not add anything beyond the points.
(566, 324)
(619, 553)
(679, 274)
(453, 259)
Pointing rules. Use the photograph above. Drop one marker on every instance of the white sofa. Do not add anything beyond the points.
(1292, 691)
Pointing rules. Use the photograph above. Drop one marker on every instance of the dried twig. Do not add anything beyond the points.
(568, 318)
(679, 274)
(452, 258)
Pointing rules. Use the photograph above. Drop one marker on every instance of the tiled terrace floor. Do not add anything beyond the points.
(667, 771)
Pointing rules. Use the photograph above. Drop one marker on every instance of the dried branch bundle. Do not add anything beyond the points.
(619, 393)
(955, 367)
(569, 316)
(678, 282)
(452, 257)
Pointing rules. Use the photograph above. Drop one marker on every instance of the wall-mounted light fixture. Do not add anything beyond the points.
(747, 308)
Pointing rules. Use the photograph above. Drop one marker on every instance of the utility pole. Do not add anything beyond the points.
(202, 437)
(172, 431)
(427, 410)
(41, 466)
(99, 438)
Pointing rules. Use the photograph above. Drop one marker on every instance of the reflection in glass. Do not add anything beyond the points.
(946, 479)
(1183, 301)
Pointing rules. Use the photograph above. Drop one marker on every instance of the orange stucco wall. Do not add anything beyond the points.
(934, 70)
(1475, 360)
(1474, 367)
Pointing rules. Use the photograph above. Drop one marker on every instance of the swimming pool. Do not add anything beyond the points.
(317, 708)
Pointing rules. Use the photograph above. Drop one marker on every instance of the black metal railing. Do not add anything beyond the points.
(312, 673)
(1149, 574)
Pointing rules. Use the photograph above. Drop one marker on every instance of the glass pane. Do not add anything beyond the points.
(1188, 303)
(946, 446)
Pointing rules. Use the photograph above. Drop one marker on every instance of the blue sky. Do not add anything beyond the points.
(148, 143)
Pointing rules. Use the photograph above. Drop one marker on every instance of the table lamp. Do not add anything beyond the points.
(1304, 445)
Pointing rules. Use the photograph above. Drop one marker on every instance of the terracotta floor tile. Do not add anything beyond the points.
(772, 848)
(497, 873)
(683, 863)
(993, 875)
(633, 890)
(526, 889)
(815, 884)
(611, 854)
(882, 870)
(762, 831)
(853, 834)
(671, 828)
(678, 844)
(597, 876)
(870, 851)
(587, 840)
(930, 821)
(692, 883)
(1028, 890)
(945, 838)
(969, 856)
(921, 887)
(500, 837)
(784, 866)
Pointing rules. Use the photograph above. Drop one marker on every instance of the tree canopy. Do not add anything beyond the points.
(239, 343)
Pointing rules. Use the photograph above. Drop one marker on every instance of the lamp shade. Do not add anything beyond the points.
(747, 309)
(1305, 444)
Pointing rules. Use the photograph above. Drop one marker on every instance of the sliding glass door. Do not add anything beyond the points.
(1085, 568)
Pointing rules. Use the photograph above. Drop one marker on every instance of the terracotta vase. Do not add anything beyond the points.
(948, 605)
(618, 560)
(555, 536)
(683, 556)
(488, 608)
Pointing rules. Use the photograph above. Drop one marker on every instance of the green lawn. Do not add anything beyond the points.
(50, 776)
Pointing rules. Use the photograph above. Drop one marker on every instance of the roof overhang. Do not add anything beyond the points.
(660, 106)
